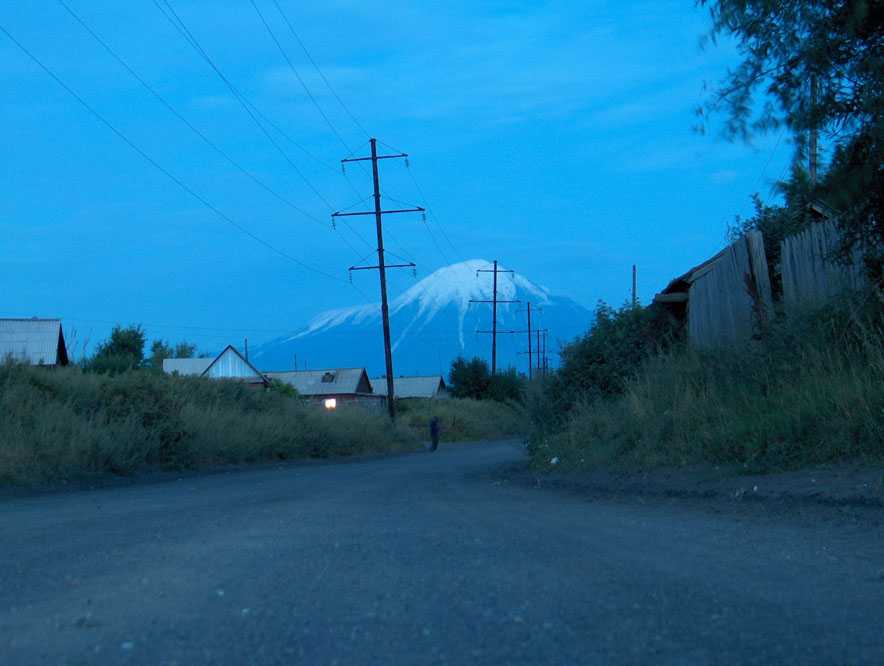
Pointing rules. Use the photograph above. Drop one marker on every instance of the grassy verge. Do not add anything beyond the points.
(464, 419)
(810, 391)
(63, 423)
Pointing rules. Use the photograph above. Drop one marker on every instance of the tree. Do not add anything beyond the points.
(813, 66)
(123, 350)
(161, 350)
(469, 379)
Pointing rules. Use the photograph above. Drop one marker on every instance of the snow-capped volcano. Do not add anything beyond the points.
(432, 323)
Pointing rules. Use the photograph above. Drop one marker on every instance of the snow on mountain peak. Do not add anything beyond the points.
(455, 285)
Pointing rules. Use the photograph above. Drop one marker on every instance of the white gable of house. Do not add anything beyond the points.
(230, 365)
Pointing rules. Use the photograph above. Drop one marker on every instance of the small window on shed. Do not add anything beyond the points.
(328, 378)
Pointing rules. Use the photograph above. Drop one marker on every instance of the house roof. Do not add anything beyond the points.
(188, 367)
(34, 341)
(331, 381)
(411, 387)
(229, 364)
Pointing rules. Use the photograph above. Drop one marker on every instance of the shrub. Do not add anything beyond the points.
(63, 422)
(811, 391)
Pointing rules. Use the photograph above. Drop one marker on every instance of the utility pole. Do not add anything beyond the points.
(530, 374)
(812, 157)
(545, 359)
(538, 351)
(634, 296)
(494, 301)
(382, 265)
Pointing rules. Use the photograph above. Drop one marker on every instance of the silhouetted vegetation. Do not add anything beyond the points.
(472, 379)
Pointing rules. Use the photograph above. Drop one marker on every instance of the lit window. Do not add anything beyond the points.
(331, 403)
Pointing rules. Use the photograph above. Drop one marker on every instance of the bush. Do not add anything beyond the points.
(463, 419)
(472, 379)
(811, 391)
(63, 422)
(601, 363)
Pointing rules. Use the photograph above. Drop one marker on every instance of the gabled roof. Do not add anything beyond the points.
(229, 364)
(187, 367)
(411, 387)
(331, 381)
(34, 341)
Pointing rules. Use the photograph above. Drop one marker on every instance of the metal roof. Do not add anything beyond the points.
(34, 341)
(186, 366)
(411, 387)
(331, 381)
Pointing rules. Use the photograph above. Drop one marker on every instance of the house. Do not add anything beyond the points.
(332, 387)
(33, 341)
(430, 387)
(229, 364)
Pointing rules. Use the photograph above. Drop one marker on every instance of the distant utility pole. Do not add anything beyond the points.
(382, 265)
(545, 359)
(634, 296)
(814, 135)
(535, 352)
(494, 303)
(538, 351)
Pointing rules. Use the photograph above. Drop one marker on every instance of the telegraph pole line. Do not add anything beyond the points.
(535, 352)
(382, 265)
(494, 301)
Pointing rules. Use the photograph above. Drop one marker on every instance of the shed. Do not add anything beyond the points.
(430, 387)
(33, 341)
(331, 386)
(229, 364)
(725, 297)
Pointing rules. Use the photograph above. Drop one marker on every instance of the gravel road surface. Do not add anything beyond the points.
(425, 559)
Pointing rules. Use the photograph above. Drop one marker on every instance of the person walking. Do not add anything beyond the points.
(434, 433)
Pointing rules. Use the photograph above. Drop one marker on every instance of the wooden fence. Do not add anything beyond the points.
(811, 277)
(728, 294)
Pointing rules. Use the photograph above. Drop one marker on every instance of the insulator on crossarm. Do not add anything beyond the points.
(334, 225)
(350, 275)
(343, 169)
(407, 163)
(414, 272)
(423, 216)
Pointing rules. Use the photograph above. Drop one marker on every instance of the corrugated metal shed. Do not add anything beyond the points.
(432, 386)
(187, 367)
(34, 341)
(333, 381)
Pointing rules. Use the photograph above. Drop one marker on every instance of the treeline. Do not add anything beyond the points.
(125, 350)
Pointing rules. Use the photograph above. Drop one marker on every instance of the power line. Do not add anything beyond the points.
(319, 71)
(291, 65)
(174, 111)
(253, 112)
(150, 160)
(182, 28)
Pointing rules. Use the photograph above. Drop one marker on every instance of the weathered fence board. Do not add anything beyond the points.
(810, 274)
(729, 294)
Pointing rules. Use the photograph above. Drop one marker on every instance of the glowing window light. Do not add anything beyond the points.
(331, 403)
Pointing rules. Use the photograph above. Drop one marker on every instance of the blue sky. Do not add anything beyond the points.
(555, 137)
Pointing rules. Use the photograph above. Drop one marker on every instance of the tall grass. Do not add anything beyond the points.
(464, 419)
(811, 390)
(61, 423)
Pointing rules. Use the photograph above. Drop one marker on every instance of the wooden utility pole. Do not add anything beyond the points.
(530, 372)
(545, 359)
(382, 265)
(634, 296)
(494, 301)
(538, 351)
(814, 135)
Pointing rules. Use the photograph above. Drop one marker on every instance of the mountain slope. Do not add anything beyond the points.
(431, 323)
